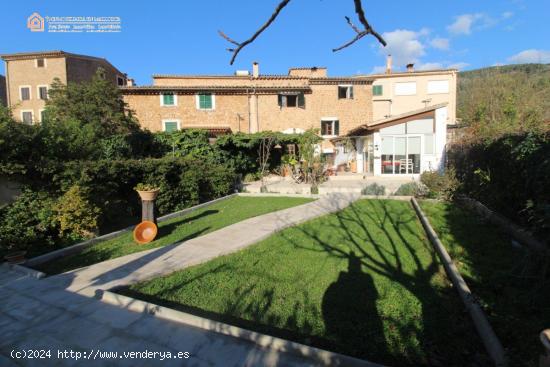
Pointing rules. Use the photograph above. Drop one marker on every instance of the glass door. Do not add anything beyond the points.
(401, 154)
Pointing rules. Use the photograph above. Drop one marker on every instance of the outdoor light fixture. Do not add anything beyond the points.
(277, 146)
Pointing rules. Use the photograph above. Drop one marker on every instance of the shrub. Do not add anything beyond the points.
(440, 186)
(511, 175)
(77, 216)
(29, 224)
(374, 189)
(410, 189)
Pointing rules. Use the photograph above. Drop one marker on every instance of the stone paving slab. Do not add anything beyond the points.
(164, 260)
(35, 315)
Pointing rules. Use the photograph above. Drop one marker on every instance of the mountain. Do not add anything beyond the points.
(503, 99)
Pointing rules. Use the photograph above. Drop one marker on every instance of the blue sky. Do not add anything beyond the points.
(180, 37)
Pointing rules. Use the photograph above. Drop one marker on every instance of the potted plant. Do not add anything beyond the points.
(147, 192)
(288, 161)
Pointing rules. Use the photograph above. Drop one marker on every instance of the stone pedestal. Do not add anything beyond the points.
(148, 211)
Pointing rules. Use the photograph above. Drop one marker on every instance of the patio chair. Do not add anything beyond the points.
(405, 165)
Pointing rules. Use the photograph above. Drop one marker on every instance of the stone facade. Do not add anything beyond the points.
(249, 104)
(38, 69)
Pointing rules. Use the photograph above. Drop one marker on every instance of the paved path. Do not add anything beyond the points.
(164, 260)
(37, 314)
(57, 313)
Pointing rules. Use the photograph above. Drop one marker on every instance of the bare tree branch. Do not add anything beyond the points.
(360, 34)
(241, 45)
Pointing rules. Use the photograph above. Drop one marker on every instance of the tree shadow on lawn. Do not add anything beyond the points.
(384, 240)
(512, 284)
(165, 230)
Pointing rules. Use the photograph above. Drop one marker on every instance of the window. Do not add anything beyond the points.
(377, 90)
(168, 99)
(438, 86)
(330, 127)
(291, 100)
(120, 81)
(25, 93)
(170, 125)
(26, 117)
(345, 92)
(205, 101)
(40, 63)
(405, 89)
(42, 115)
(42, 92)
(291, 149)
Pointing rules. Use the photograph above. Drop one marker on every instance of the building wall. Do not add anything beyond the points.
(25, 73)
(241, 81)
(3, 95)
(235, 110)
(83, 69)
(231, 110)
(401, 104)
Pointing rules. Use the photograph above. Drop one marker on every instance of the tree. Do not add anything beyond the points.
(97, 104)
(359, 33)
(264, 151)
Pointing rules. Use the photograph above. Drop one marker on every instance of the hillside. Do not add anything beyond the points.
(504, 98)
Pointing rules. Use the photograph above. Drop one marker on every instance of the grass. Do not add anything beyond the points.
(194, 224)
(512, 284)
(363, 282)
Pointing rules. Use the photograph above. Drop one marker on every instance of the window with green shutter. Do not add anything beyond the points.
(170, 126)
(168, 99)
(205, 101)
(377, 90)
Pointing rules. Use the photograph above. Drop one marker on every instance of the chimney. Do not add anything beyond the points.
(255, 70)
(410, 68)
(388, 64)
(130, 82)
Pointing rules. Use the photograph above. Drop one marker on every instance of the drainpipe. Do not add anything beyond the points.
(8, 102)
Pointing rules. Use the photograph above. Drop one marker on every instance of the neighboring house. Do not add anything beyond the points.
(29, 75)
(408, 132)
(305, 98)
(3, 96)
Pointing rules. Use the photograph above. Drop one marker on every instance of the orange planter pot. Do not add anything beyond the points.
(145, 232)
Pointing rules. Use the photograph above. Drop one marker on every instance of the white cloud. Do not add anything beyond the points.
(507, 15)
(404, 46)
(440, 43)
(458, 65)
(463, 23)
(530, 56)
(429, 66)
(378, 70)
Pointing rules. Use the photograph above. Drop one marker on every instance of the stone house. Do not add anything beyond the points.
(30, 74)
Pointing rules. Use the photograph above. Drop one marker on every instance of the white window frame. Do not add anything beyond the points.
(32, 116)
(169, 105)
(47, 92)
(164, 121)
(348, 86)
(440, 80)
(36, 62)
(40, 114)
(333, 120)
(402, 84)
(21, 94)
(198, 103)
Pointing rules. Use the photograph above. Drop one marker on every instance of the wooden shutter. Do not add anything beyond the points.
(301, 100)
(25, 94)
(170, 126)
(351, 92)
(336, 127)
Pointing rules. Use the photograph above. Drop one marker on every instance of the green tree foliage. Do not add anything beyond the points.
(77, 217)
(496, 101)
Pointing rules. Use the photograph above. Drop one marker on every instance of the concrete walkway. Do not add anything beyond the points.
(57, 313)
(38, 315)
(153, 263)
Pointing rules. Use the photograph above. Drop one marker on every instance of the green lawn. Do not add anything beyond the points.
(508, 281)
(194, 224)
(363, 282)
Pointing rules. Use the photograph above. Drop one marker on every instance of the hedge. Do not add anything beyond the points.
(510, 175)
